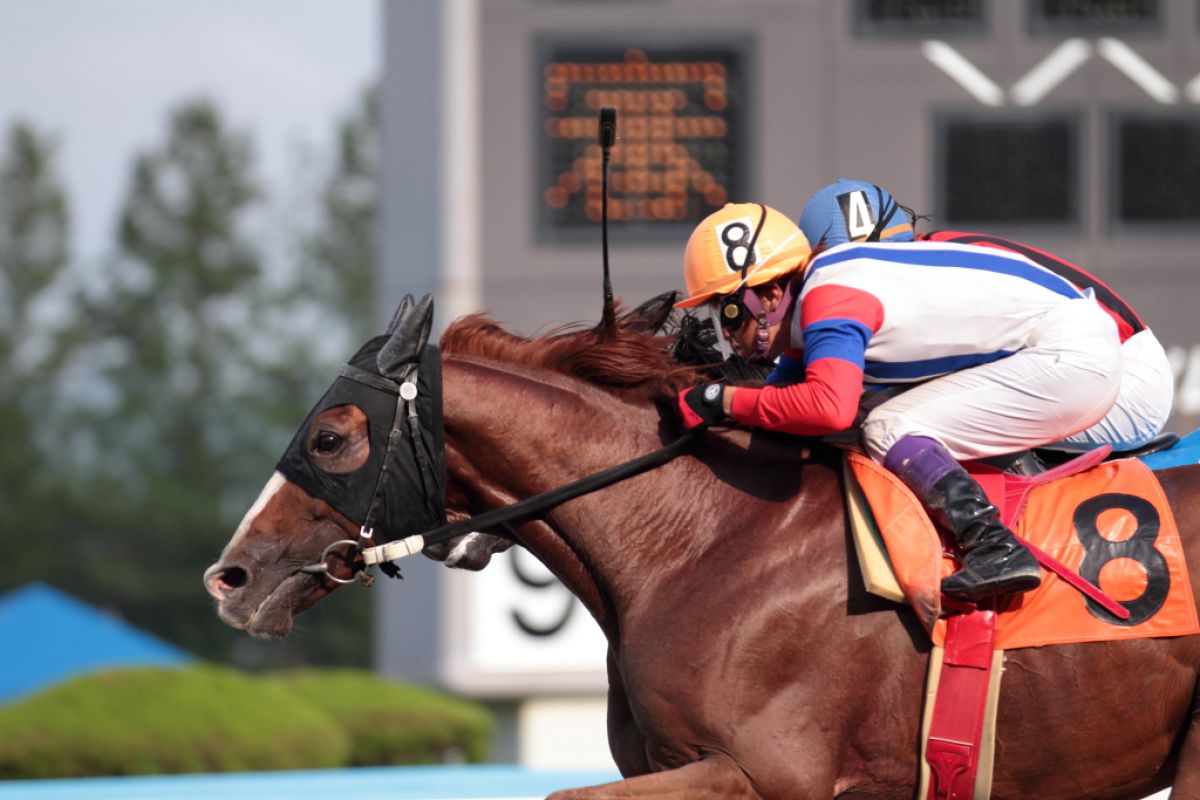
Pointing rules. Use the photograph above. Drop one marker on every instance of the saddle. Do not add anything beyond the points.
(1077, 513)
(1102, 527)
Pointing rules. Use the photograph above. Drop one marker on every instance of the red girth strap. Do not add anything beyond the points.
(956, 727)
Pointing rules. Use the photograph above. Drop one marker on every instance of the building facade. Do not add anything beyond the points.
(1073, 125)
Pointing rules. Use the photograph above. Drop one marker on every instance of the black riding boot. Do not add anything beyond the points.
(994, 562)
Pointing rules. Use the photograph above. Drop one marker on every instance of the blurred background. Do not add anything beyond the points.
(206, 206)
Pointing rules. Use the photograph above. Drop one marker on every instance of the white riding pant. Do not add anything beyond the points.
(1143, 403)
(1064, 381)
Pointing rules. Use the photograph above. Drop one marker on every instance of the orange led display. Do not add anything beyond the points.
(676, 157)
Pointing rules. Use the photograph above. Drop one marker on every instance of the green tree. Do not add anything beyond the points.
(338, 265)
(34, 256)
(342, 253)
(202, 386)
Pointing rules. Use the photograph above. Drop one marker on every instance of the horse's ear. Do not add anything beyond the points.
(408, 336)
(652, 315)
(401, 310)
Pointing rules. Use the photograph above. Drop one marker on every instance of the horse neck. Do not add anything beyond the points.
(512, 433)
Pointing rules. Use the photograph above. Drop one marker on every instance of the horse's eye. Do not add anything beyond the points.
(326, 442)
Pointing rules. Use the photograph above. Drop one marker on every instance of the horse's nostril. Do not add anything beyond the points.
(233, 577)
(218, 580)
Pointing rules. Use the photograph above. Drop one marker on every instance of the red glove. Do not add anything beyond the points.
(701, 405)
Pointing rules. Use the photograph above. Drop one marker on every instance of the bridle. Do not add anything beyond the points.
(353, 551)
(364, 552)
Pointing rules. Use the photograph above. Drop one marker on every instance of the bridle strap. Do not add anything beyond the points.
(371, 379)
(424, 461)
(527, 508)
(403, 403)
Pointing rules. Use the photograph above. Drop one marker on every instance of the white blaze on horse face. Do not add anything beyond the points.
(273, 486)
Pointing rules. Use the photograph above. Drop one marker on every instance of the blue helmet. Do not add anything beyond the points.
(854, 211)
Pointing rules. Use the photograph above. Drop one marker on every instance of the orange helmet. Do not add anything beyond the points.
(716, 251)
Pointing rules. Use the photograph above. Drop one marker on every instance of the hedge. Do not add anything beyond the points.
(213, 719)
(395, 723)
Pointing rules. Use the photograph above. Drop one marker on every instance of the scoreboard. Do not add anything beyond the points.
(678, 153)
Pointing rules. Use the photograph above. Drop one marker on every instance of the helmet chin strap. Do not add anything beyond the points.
(765, 319)
(714, 315)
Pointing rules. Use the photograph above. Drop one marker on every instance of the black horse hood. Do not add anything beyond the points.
(400, 489)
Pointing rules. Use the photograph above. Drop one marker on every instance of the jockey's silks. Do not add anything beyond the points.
(917, 312)
(909, 312)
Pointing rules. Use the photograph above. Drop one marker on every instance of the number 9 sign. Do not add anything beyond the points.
(521, 621)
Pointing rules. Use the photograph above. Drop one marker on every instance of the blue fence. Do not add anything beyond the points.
(373, 783)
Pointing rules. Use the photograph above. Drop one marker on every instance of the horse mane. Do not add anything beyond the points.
(634, 359)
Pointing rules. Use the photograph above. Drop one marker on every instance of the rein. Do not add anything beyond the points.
(527, 508)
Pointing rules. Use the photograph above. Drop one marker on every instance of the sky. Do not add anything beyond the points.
(101, 76)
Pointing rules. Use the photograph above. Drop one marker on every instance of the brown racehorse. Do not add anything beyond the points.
(745, 658)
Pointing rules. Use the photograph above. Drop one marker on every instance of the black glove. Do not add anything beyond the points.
(701, 405)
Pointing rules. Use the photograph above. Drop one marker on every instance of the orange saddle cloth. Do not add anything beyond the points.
(1111, 524)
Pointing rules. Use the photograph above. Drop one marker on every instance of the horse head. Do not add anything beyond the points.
(367, 458)
(353, 468)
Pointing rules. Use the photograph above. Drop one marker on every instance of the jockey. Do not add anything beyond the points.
(1008, 356)
(846, 211)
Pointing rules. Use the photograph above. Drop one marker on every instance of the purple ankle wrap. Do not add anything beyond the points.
(920, 462)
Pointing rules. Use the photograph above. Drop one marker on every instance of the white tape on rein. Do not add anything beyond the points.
(393, 551)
